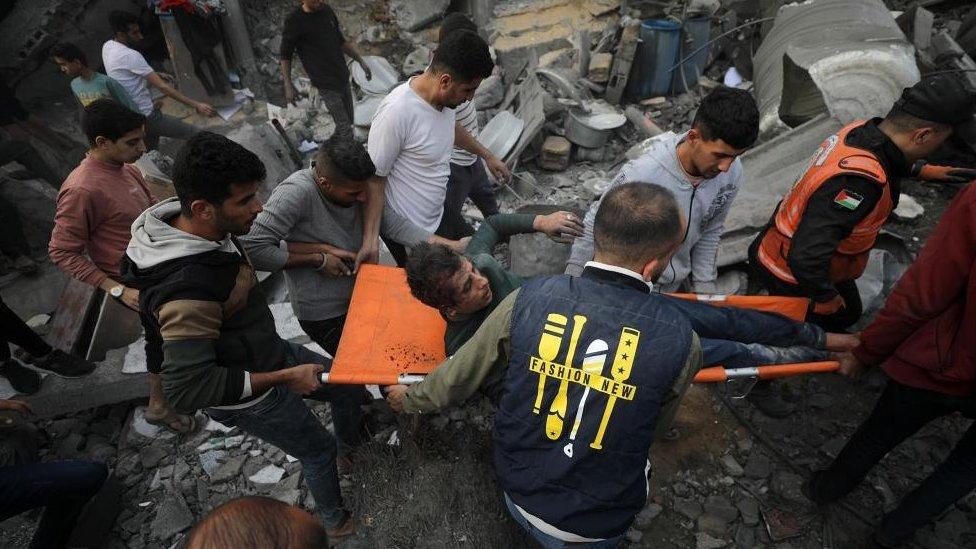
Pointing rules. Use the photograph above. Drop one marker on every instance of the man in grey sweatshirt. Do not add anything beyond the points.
(317, 214)
(701, 168)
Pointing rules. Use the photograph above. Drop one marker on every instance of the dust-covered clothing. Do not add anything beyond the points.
(704, 203)
(411, 143)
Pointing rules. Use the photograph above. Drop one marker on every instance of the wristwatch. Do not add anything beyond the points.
(116, 291)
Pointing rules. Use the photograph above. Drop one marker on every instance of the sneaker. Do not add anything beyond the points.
(769, 402)
(62, 364)
(24, 264)
(23, 380)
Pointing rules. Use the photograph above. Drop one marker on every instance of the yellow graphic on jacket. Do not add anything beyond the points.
(590, 376)
(557, 410)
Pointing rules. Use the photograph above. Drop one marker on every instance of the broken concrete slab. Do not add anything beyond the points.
(769, 170)
(536, 254)
(264, 141)
(529, 97)
(411, 15)
(527, 30)
(843, 57)
(106, 385)
(908, 208)
(490, 93)
(172, 517)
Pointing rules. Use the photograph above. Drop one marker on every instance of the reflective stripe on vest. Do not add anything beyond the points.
(832, 159)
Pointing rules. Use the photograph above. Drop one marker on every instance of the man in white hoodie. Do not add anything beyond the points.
(701, 168)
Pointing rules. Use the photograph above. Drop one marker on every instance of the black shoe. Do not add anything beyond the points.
(62, 364)
(23, 380)
(769, 401)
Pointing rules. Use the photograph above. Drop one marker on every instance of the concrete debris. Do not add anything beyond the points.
(527, 30)
(847, 58)
(270, 474)
(555, 153)
(210, 461)
(705, 541)
(382, 79)
(908, 208)
(106, 385)
(644, 124)
(229, 470)
(535, 254)
(416, 61)
(732, 466)
(643, 147)
(708, 7)
(600, 68)
(173, 516)
(411, 15)
(268, 145)
(490, 93)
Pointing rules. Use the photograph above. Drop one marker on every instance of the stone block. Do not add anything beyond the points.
(555, 153)
(412, 15)
(106, 385)
(599, 71)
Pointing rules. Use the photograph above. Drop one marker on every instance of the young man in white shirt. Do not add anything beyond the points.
(414, 134)
(129, 68)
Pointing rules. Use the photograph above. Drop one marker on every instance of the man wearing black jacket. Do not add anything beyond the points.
(209, 332)
(817, 243)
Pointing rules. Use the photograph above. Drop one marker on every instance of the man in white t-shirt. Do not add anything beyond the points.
(413, 135)
(129, 68)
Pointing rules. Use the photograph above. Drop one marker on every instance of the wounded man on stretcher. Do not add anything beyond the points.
(465, 289)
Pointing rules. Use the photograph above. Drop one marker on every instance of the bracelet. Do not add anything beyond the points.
(325, 260)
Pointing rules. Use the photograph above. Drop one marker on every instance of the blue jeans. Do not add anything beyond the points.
(549, 542)
(283, 419)
(742, 338)
(61, 487)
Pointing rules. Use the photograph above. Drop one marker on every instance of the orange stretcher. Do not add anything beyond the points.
(391, 338)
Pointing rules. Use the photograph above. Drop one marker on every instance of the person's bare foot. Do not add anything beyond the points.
(841, 343)
(166, 418)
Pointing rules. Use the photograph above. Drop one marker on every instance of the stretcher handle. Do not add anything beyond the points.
(371, 379)
(718, 374)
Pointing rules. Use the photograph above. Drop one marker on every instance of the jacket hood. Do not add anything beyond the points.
(154, 241)
(667, 148)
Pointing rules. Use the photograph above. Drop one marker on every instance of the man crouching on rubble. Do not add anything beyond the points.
(208, 325)
(584, 368)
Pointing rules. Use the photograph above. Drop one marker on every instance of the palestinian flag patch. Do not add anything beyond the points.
(848, 200)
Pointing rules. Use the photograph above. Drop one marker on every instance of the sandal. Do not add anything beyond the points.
(180, 424)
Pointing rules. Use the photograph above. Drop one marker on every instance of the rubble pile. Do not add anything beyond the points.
(571, 100)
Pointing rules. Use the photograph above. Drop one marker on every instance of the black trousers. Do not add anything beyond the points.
(836, 322)
(325, 332)
(464, 182)
(13, 243)
(14, 330)
(898, 414)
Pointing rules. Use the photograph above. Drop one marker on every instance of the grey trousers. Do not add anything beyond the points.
(340, 105)
(162, 125)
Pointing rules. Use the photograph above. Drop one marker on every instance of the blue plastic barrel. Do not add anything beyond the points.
(657, 53)
(694, 36)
